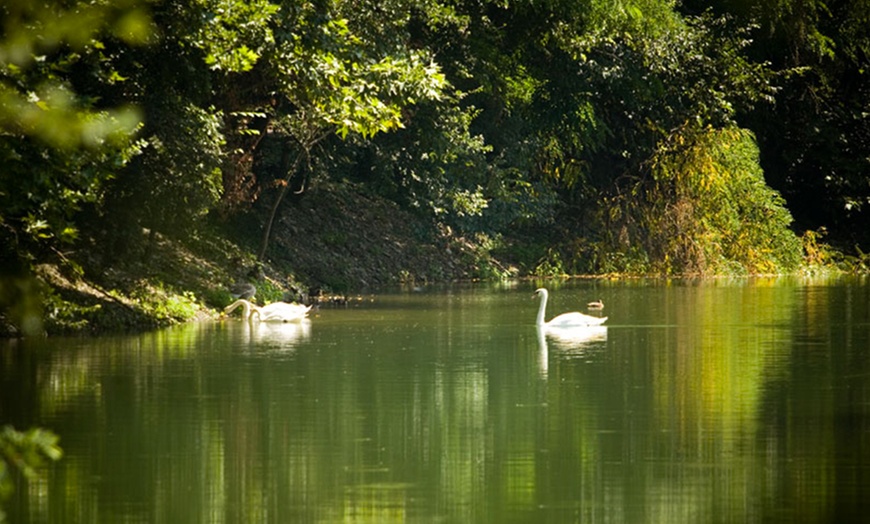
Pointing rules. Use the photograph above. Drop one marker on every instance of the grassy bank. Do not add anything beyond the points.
(335, 242)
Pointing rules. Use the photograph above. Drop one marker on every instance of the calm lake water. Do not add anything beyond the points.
(709, 401)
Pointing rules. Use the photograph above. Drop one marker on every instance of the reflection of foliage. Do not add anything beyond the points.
(24, 453)
(364, 420)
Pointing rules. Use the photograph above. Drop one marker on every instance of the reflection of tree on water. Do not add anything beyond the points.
(713, 406)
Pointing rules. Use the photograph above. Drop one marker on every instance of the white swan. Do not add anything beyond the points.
(282, 312)
(274, 312)
(247, 308)
(565, 320)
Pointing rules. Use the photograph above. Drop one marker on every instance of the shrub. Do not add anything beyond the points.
(704, 208)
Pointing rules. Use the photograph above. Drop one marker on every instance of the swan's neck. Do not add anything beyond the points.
(542, 309)
(247, 308)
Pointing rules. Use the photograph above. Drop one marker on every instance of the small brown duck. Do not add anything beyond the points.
(598, 304)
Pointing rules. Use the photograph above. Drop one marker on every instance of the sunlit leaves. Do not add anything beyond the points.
(478, 113)
(33, 28)
(711, 211)
(340, 84)
(54, 115)
(40, 41)
(436, 165)
(234, 33)
(634, 19)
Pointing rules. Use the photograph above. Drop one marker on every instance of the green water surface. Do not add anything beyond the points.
(700, 401)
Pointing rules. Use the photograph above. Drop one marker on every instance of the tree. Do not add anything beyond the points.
(580, 98)
(322, 77)
(706, 210)
(815, 140)
(58, 146)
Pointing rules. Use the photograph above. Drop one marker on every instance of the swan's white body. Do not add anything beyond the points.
(274, 312)
(576, 336)
(565, 320)
(282, 312)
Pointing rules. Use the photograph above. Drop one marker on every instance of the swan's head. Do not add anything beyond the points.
(245, 305)
(540, 292)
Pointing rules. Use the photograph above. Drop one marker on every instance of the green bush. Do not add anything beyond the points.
(703, 209)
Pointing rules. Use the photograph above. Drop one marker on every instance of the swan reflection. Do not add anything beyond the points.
(577, 337)
(568, 340)
(280, 334)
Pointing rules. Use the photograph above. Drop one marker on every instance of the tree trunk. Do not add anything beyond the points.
(267, 230)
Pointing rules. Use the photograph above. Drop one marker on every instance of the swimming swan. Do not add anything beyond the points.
(565, 320)
(282, 312)
(274, 312)
(247, 308)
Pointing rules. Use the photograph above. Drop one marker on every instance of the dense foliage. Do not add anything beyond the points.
(815, 138)
(573, 136)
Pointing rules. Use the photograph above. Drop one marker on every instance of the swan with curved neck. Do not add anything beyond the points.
(248, 309)
(274, 312)
(565, 320)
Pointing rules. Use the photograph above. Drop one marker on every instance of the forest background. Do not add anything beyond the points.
(154, 152)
